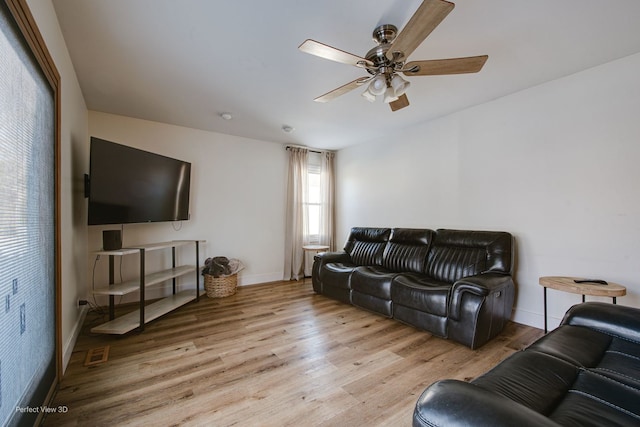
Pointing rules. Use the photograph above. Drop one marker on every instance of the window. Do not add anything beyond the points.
(310, 206)
(313, 204)
(29, 228)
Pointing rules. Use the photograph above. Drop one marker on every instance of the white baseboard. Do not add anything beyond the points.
(536, 320)
(252, 279)
(71, 342)
(163, 291)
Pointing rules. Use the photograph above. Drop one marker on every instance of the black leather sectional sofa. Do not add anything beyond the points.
(584, 373)
(456, 284)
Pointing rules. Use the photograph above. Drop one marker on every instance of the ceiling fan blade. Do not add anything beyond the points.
(428, 16)
(399, 103)
(436, 67)
(333, 54)
(342, 90)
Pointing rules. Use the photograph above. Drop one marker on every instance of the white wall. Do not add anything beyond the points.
(237, 198)
(556, 165)
(237, 203)
(74, 158)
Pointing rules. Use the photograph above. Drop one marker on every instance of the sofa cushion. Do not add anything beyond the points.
(460, 253)
(567, 394)
(433, 323)
(407, 250)
(371, 303)
(375, 281)
(337, 275)
(601, 353)
(581, 347)
(595, 401)
(365, 245)
(420, 292)
(536, 380)
(371, 289)
(621, 362)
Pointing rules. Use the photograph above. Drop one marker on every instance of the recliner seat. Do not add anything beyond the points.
(406, 250)
(363, 248)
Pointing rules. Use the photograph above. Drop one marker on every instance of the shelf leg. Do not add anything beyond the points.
(173, 265)
(142, 289)
(545, 309)
(112, 311)
(197, 271)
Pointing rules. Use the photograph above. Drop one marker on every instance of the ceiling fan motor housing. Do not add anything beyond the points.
(384, 35)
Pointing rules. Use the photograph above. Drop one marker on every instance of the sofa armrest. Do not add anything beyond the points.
(319, 260)
(327, 257)
(481, 285)
(611, 319)
(456, 403)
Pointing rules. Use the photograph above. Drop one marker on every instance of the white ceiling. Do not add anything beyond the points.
(184, 62)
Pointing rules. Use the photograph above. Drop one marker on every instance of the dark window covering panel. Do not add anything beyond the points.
(27, 229)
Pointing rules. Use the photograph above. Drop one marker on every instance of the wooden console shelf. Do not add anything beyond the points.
(145, 314)
(130, 321)
(150, 279)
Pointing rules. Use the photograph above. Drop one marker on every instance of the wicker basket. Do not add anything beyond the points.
(220, 287)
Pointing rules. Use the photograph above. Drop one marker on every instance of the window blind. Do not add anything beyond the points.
(27, 229)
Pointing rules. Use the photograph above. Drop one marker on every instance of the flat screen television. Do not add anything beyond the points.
(127, 185)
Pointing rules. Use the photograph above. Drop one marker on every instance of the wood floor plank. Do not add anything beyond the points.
(273, 354)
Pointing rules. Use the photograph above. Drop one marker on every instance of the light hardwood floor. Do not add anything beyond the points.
(271, 355)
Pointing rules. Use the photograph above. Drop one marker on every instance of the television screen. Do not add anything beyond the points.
(127, 185)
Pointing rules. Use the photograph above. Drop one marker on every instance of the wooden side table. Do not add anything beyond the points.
(568, 284)
(311, 248)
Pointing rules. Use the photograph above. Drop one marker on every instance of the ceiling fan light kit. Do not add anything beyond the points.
(377, 85)
(368, 96)
(386, 61)
(389, 95)
(399, 85)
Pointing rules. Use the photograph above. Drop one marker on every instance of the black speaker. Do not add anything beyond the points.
(111, 240)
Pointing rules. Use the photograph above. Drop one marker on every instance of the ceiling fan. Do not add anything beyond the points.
(386, 61)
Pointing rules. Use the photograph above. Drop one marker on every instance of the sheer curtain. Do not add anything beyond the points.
(310, 207)
(327, 196)
(295, 217)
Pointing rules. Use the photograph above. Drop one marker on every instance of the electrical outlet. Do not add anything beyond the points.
(82, 302)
